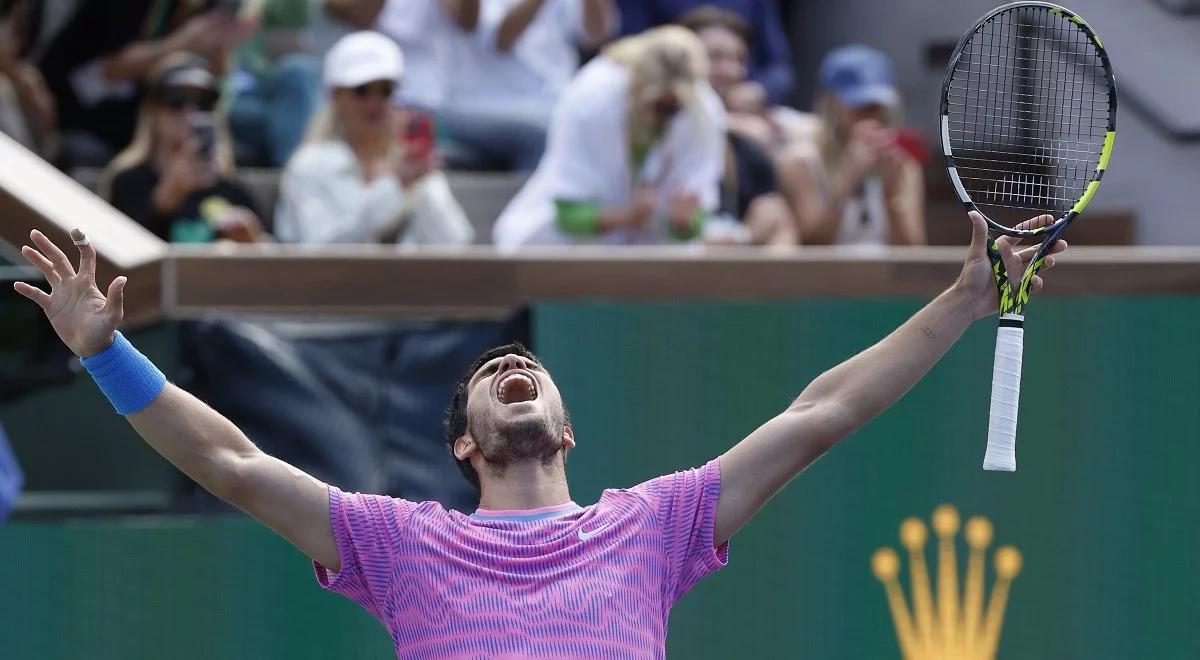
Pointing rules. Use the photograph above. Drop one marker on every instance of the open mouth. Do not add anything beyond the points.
(516, 386)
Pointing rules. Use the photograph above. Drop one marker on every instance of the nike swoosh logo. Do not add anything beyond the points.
(583, 536)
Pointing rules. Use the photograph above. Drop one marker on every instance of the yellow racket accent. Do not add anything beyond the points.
(1106, 151)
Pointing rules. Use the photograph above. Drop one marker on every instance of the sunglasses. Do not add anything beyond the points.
(378, 90)
(178, 99)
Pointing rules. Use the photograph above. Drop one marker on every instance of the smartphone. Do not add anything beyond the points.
(913, 143)
(417, 136)
(203, 127)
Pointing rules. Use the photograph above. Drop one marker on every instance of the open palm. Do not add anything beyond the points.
(84, 318)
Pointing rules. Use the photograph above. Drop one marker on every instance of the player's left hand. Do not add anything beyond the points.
(976, 279)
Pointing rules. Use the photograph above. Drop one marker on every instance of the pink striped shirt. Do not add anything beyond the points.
(562, 581)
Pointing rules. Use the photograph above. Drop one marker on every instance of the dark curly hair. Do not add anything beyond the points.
(456, 416)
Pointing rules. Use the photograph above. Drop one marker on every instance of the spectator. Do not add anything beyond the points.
(770, 60)
(94, 64)
(176, 177)
(367, 173)
(509, 75)
(426, 31)
(634, 150)
(275, 86)
(27, 111)
(11, 478)
(861, 181)
(749, 195)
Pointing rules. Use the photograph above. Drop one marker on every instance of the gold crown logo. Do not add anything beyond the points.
(950, 629)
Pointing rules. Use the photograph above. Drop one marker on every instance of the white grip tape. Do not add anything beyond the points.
(1006, 392)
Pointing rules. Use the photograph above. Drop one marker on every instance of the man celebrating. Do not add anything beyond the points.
(530, 573)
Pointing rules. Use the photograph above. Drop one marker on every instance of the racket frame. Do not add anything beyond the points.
(1006, 374)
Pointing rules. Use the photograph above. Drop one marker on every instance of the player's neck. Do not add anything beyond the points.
(525, 486)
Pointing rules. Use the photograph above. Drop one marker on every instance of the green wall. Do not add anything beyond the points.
(1103, 506)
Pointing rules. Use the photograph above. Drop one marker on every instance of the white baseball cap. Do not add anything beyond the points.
(362, 57)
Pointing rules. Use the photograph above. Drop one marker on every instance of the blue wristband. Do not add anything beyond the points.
(128, 378)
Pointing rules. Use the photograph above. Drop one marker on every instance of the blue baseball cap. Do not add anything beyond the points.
(859, 76)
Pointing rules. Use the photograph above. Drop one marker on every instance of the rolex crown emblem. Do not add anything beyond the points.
(955, 626)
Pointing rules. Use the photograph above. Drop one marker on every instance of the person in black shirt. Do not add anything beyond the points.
(175, 178)
(94, 65)
(749, 194)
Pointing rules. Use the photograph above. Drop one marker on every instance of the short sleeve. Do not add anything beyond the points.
(366, 529)
(685, 510)
(696, 143)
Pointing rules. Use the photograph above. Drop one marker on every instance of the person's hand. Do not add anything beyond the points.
(748, 97)
(84, 318)
(239, 224)
(682, 211)
(410, 167)
(755, 128)
(866, 146)
(187, 171)
(636, 217)
(976, 281)
(891, 162)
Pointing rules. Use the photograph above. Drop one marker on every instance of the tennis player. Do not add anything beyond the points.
(530, 573)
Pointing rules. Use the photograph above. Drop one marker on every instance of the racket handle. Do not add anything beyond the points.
(1006, 392)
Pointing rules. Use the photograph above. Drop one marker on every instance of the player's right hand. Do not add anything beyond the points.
(85, 319)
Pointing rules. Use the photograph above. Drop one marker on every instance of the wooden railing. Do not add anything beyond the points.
(185, 281)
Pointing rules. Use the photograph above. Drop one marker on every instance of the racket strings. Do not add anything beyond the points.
(1028, 107)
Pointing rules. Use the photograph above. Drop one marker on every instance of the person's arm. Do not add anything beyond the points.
(769, 220)
(849, 395)
(206, 34)
(905, 199)
(316, 207)
(589, 219)
(818, 207)
(463, 13)
(34, 100)
(599, 17)
(359, 13)
(195, 438)
(514, 23)
(773, 55)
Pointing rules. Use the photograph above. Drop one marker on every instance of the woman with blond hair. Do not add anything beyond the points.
(862, 183)
(366, 172)
(634, 152)
(176, 177)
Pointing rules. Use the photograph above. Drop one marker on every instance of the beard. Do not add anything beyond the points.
(522, 441)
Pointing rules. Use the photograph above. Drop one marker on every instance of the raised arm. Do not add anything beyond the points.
(849, 395)
(195, 438)
(514, 23)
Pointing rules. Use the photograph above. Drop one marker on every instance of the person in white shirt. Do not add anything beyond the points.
(363, 175)
(634, 153)
(509, 73)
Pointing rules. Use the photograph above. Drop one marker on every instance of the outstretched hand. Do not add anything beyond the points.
(84, 318)
(976, 278)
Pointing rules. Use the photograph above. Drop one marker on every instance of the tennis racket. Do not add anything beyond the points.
(1029, 109)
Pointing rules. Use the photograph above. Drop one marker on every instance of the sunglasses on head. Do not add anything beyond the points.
(180, 99)
(377, 89)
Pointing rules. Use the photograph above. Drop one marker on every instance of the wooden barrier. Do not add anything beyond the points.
(379, 281)
(34, 195)
(383, 281)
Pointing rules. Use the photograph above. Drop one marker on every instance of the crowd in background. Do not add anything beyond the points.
(639, 121)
